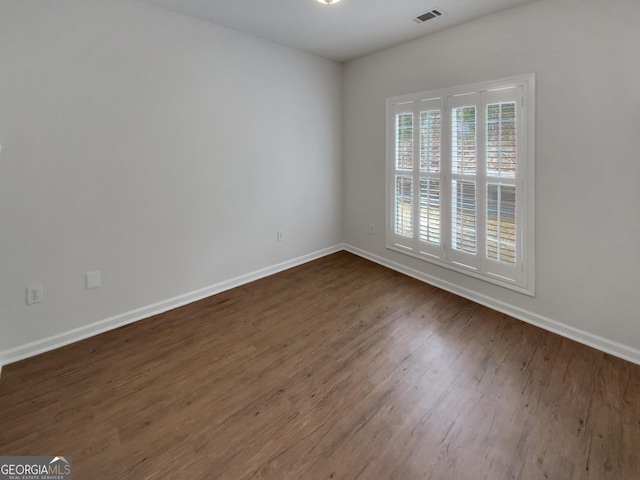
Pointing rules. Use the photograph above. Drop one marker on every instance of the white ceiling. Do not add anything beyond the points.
(340, 32)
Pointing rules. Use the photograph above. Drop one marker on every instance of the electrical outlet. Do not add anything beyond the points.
(280, 236)
(372, 228)
(35, 294)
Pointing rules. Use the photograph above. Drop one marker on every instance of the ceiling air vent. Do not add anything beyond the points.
(429, 15)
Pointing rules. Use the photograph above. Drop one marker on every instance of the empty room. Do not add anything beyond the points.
(320, 239)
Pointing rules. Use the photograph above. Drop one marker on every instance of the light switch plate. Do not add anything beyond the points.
(93, 280)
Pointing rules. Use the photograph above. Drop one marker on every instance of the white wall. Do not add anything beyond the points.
(161, 150)
(586, 55)
(123, 150)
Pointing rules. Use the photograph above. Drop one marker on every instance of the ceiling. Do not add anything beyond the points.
(339, 32)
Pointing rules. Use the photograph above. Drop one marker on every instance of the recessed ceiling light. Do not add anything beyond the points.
(328, 2)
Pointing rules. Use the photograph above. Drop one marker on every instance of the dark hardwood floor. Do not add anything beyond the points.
(337, 369)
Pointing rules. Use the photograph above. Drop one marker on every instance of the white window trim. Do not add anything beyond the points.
(525, 283)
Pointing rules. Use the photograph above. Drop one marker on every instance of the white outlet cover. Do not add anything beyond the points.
(35, 294)
(94, 280)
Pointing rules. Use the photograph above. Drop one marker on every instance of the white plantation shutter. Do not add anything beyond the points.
(463, 115)
(504, 183)
(484, 214)
(430, 175)
(430, 210)
(464, 222)
(430, 182)
(501, 223)
(404, 151)
(462, 182)
(417, 175)
(404, 206)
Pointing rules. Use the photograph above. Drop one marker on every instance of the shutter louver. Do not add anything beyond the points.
(430, 137)
(430, 152)
(430, 211)
(501, 149)
(464, 217)
(404, 141)
(404, 180)
(464, 166)
(501, 223)
(463, 140)
(404, 206)
(501, 139)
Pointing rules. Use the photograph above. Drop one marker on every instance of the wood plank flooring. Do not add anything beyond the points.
(337, 369)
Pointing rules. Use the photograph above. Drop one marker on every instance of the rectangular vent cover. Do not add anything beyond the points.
(428, 16)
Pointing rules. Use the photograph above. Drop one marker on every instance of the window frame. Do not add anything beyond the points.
(520, 277)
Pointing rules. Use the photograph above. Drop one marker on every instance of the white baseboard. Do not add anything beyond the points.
(86, 331)
(600, 343)
(34, 348)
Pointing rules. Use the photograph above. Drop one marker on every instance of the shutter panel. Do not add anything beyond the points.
(430, 140)
(503, 212)
(501, 139)
(430, 211)
(418, 177)
(464, 122)
(463, 229)
(501, 197)
(404, 141)
(404, 206)
(501, 223)
(463, 140)
(403, 181)
(431, 178)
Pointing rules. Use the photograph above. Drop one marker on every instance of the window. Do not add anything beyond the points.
(460, 173)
